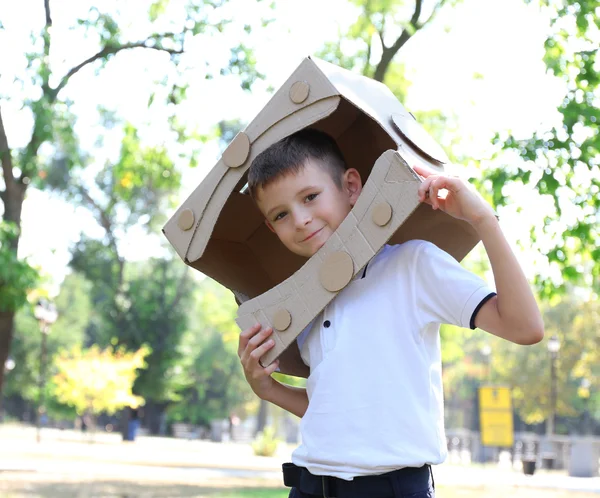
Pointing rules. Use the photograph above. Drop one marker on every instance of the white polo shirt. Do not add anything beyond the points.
(375, 385)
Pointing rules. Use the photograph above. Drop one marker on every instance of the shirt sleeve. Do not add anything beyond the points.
(445, 291)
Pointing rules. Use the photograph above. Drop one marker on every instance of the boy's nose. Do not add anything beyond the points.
(303, 218)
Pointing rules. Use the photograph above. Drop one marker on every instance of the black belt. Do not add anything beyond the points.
(376, 486)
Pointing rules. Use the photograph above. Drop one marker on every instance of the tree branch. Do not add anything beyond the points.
(380, 33)
(389, 53)
(48, 17)
(414, 21)
(112, 50)
(46, 60)
(5, 156)
(106, 223)
(367, 67)
(436, 9)
(180, 288)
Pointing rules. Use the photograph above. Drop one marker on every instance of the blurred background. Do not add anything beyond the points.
(112, 112)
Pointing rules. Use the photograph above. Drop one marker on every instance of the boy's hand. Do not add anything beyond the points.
(253, 344)
(461, 202)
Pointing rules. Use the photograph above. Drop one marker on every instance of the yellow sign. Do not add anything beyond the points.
(495, 416)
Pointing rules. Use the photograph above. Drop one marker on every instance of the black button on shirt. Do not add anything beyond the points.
(326, 324)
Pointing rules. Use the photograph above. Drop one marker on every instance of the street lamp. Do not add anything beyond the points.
(585, 388)
(46, 314)
(553, 348)
(9, 365)
(486, 351)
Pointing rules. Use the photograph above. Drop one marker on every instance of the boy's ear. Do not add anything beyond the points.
(352, 184)
(270, 226)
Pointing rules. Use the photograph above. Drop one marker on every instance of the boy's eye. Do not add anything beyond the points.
(311, 197)
(279, 216)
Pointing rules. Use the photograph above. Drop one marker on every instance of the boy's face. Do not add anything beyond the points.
(304, 209)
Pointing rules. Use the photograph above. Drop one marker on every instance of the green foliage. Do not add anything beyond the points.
(139, 187)
(381, 27)
(97, 262)
(97, 381)
(148, 307)
(563, 162)
(141, 179)
(25, 350)
(17, 277)
(242, 63)
(227, 130)
(154, 311)
(527, 369)
(157, 8)
(218, 310)
(74, 314)
(384, 27)
(265, 443)
(213, 384)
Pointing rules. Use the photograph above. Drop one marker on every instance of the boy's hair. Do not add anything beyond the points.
(290, 154)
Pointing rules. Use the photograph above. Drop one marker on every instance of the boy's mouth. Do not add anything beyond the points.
(312, 235)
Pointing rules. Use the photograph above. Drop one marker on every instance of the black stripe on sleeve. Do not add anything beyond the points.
(483, 301)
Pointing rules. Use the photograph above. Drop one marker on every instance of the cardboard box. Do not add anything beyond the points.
(219, 231)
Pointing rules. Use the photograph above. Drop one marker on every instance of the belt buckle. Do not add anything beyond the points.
(325, 481)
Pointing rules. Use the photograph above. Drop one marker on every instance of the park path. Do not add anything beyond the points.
(65, 454)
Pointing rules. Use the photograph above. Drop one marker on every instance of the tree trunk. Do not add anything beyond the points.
(263, 413)
(7, 319)
(153, 417)
(388, 54)
(12, 198)
(124, 422)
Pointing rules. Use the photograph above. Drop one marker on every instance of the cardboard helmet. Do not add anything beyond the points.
(219, 230)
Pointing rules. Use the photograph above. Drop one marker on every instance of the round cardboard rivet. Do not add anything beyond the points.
(186, 219)
(237, 151)
(282, 319)
(337, 271)
(381, 214)
(299, 92)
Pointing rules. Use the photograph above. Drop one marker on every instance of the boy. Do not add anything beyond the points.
(372, 412)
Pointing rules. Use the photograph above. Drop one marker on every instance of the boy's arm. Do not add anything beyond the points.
(290, 362)
(291, 399)
(513, 314)
(253, 344)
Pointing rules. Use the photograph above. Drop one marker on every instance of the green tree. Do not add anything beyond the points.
(370, 46)
(74, 314)
(562, 163)
(527, 369)
(52, 153)
(212, 381)
(17, 277)
(150, 309)
(382, 27)
(136, 303)
(95, 381)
